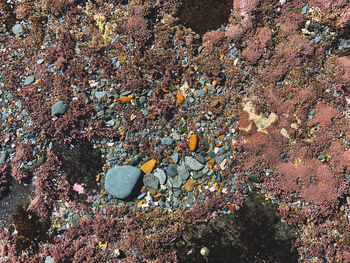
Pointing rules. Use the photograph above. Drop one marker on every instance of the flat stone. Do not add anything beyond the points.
(177, 182)
(176, 136)
(172, 170)
(59, 108)
(17, 29)
(3, 157)
(189, 185)
(175, 157)
(151, 181)
(135, 161)
(100, 94)
(29, 80)
(49, 259)
(167, 141)
(39, 61)
(121, 180)
(193, 164)
(183, 172)
(160, 174)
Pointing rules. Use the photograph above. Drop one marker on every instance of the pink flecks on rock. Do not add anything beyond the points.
(78, 188)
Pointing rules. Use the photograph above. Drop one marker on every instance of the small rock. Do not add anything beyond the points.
(176, 136)
(172, 170)
(142, 100)
(121, 180)
(3, 157)
(151, 181)
(167, 141)
(29, 80)
(59, 108)
(160, 174)
(189, 185)
(148, 166)
(175, 157)
(193, 163)
(39, 61)
(100, 94)
(183, 172)
(177, 182)
(17, 29)
(135, 161)
(49, 259)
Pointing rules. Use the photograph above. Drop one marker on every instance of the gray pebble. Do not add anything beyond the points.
(29, 80)
(160, 174)
(39, 61)
(183, 172)
(59, 108)
(17, 29)
(151, 181)
(49, 259)
(193, 164)
(167, 141)
(175, 157)
(177, 182)
(172, 170)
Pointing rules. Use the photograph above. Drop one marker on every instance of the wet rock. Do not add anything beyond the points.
(17, 29)
(160, 174)
(121, 180)
(172, 170)
(193, 164)
(59, 108)
(29, 80)
(151, 181)
(183, 172)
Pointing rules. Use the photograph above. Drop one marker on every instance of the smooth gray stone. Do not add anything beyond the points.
(167, 141)
(193, 164)
(175, 157)
(3, 157)
(121, 180)
(177, 182)
(49, 259)
(160, 174)
(183, 172)
(151, 181)
(29, 80)
(17, 29)
(59, 108)
(172, 170)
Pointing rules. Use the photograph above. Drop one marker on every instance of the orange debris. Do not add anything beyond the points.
(193, 142)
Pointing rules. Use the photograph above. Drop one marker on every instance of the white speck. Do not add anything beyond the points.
(282, 2)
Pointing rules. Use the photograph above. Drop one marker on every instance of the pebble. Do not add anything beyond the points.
(175, 157)
(39, 61)
(17, 29)
(148, 166)
(59, 108)
(189, 185)
(151, 181)
(135, 161)
(100, 94)
(167, 141)
(176, 136)
(3, 157)
(193, 164)
(121, 180)
(29, 80)
(49, 259)
(160, 174)
(177, 182)
(172, 170)
(183, 172)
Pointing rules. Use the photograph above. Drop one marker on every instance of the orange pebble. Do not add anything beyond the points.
(221, 137)
(193, 142)
(124, 99)
(180, 97)
(148, 166)
(158, 195)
